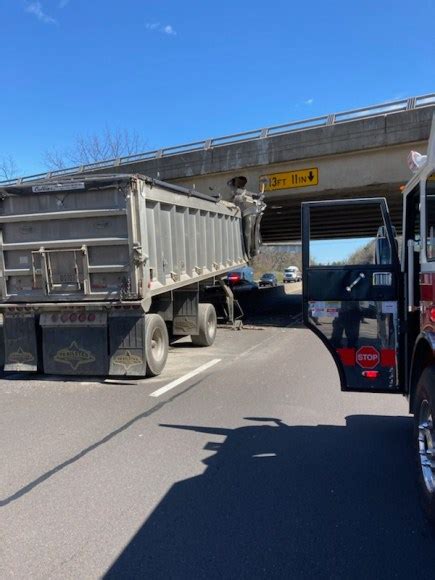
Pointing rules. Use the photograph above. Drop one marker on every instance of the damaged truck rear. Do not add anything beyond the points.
(98, 273)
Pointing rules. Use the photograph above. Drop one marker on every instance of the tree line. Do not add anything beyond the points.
(275, 259)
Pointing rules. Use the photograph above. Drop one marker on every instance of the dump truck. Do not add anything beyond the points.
(369, 296)
(98, 273)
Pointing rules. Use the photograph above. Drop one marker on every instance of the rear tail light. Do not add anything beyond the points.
(370, 374)
(74, 317)
(432, 314)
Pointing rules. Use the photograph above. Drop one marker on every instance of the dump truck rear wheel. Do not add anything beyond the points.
(424, 440)
(156, 344)
(207, 320)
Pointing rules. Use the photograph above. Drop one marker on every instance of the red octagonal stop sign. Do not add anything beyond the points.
(367, 357)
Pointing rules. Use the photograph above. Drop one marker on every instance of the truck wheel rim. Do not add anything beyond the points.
(426, 445)
(157, 344)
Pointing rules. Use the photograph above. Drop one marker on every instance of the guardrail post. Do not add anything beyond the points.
(410, 103)
(330, 119)
(207, 143)
(159, 153)
(264, 133)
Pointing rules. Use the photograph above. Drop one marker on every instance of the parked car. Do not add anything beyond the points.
(241, 279)
(292, 274)
(268, 279)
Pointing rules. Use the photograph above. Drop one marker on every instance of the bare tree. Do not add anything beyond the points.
(275, 259)
(92, 148)
(8, 167)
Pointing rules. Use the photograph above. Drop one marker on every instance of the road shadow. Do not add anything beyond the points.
(290, 502)
(43, 477)
(36, 377)
(269, 306)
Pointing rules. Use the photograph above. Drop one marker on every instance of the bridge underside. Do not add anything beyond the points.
(361, 156)
(282, 219)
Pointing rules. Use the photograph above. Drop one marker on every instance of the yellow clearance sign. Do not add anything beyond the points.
(291, 179)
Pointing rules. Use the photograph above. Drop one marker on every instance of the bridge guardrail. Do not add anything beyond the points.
(256, 134)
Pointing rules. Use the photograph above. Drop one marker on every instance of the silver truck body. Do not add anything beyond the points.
(83, 261)
(111, 238)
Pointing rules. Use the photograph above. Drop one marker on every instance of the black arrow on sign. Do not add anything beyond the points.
(311, 176)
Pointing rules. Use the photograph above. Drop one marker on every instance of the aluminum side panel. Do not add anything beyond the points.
(128, 241)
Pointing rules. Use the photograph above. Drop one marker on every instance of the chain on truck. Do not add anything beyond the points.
(374, 306)
(97, 273)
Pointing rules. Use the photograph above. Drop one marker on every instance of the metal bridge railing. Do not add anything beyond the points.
(256, 134)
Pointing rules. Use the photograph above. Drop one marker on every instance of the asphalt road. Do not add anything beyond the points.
(258, 467)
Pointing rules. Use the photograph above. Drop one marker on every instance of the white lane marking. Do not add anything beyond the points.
(184, 378)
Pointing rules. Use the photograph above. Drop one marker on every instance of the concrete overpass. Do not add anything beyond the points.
(355, 153)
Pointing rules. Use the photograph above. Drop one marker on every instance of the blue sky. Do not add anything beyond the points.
(179, 71)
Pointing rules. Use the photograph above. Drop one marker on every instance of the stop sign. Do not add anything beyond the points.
(367, 357)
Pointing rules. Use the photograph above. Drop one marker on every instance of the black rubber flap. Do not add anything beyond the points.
(185, 313)
(21, 352)
(127, 346)
(75, 351)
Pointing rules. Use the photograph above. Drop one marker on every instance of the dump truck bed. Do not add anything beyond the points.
(111, 238)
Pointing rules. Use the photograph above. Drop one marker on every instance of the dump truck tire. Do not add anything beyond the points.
(207, 320)
(424, 440)
(156, 344)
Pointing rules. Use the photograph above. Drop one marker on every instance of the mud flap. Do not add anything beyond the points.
(21, 347)
(185, 313)
(127, 344)
(70, 348)
(2, 342)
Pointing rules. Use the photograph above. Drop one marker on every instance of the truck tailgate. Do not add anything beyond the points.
(66, 241)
